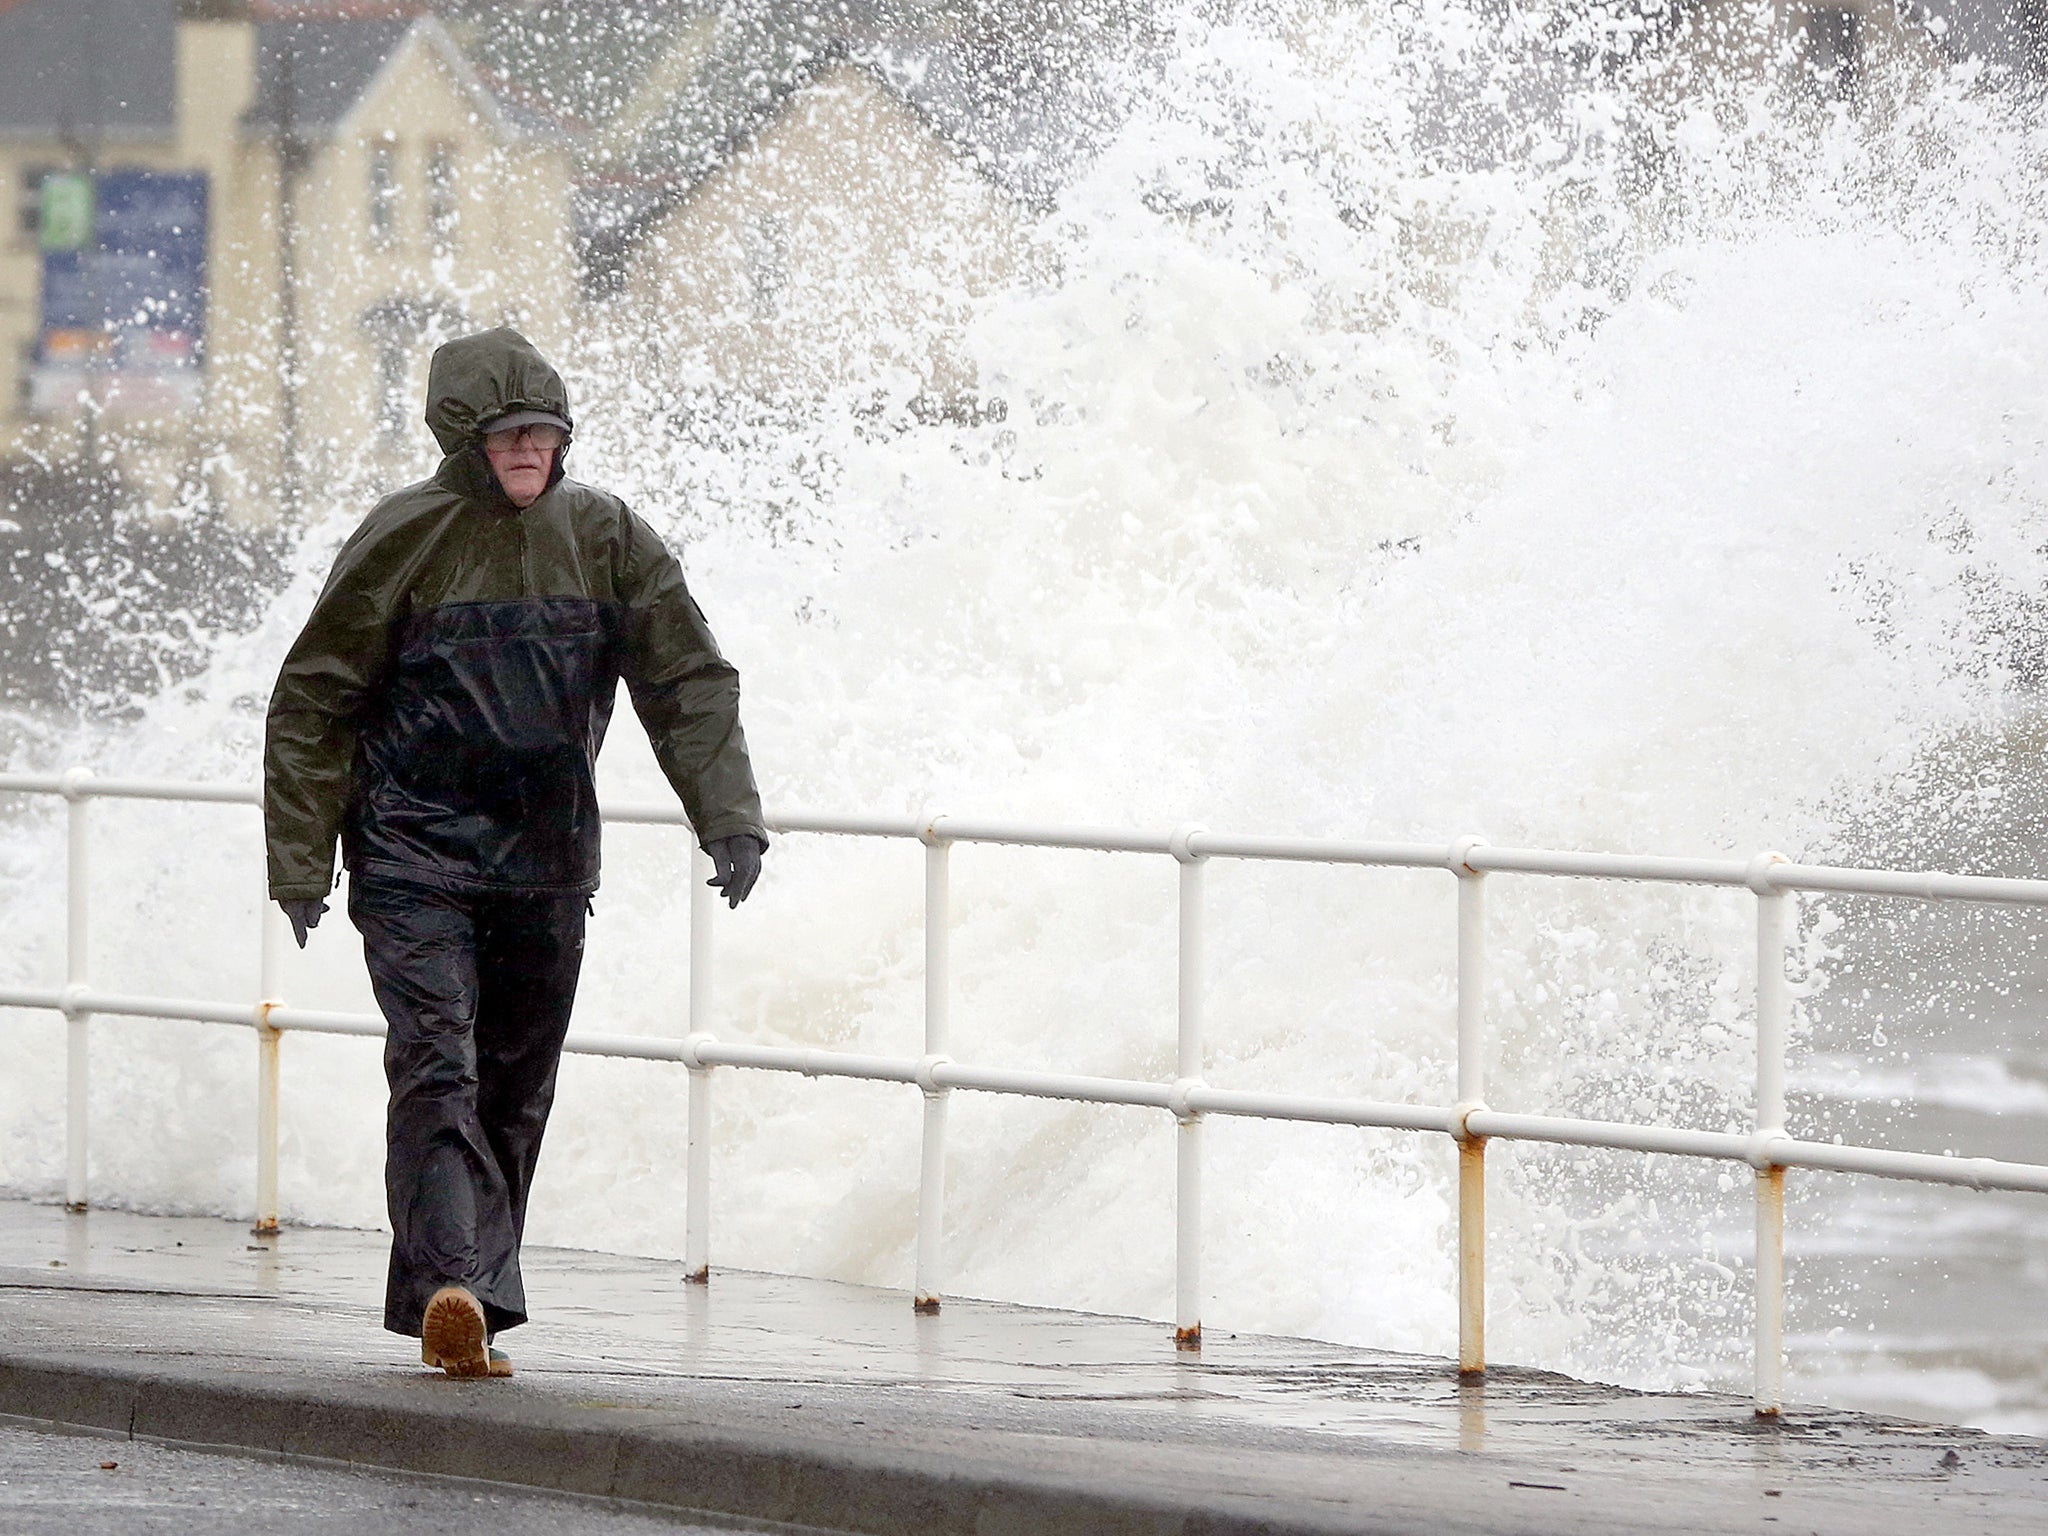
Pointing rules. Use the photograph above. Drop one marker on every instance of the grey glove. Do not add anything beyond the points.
(305, 913)
(738, 861)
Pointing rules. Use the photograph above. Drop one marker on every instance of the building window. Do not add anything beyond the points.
(29, 209)
(393, 396)
(383, 190)
(767, 264)
(441, 197)
(1834, 49)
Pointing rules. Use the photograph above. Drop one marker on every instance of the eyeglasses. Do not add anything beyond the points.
(535, 434)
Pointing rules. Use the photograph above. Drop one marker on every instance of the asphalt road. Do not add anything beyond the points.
(87, 1485)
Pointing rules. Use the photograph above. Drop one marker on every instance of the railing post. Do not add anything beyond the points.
(697, 1181)
(931, 1182)
(1187, 1202)
(1471, 1097)
(697, 1173)
(270, 922)
(1773, 1021)
(77, 1022)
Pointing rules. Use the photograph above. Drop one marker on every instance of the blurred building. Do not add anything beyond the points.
(364, 178)
(393, 196)
(818, 206)
(1830, 47)
(117, 125)
(841, 240)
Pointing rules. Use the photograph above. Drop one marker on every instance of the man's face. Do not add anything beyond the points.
(523, 458)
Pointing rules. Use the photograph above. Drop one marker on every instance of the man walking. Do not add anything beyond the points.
(441, 715)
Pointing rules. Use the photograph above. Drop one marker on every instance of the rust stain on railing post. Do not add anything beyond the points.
(1472, 1256)
(1773, 1028)
(1187, 1153)
(77, 792)
(267, 1038)
(1770, 1291)
(697, 1164)
(1471, 1100)
(938, 965)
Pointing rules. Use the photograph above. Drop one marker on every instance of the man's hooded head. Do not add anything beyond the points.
(495, 386)
(488, 382)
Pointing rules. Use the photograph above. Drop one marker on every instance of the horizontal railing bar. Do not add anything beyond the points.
(174, 1009)
(315, 1021)
(1607, 866)
(645, 813)
(1780, 1151)
(1053, 1085)
(655, 814)
(1610, 1134)
(1932, 885)
(630, 1047)
(1678, 1141)
(850, 826)
(31, 784)
(1019, 834)
(154, 789)
(1317, 850)
(811, 1063)
(1916, 1167)
(130, 789)
(1928, 886)
(1287, 1106)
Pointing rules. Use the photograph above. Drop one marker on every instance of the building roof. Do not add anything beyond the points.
(1025, 129)
(311, 69)
(88, 69)
(571, 64)
(766, 52)
(544, 68)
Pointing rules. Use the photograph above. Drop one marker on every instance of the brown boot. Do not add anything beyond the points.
(452, 1333)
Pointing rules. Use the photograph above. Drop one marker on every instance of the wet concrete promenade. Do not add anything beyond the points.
(832, 1406)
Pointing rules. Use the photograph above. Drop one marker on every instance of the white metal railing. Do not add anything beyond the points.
(1766, 1147)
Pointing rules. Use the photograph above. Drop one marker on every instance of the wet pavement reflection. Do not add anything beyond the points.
(626, 1341)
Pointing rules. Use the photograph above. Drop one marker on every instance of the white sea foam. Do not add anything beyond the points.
(1377, 464)
(1985, 1085)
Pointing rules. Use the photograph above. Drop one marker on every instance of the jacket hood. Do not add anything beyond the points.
(475, 379)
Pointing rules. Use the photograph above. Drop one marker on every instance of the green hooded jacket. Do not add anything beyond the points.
(441, 712)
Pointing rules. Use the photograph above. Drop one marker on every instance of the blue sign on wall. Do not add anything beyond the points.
(130, 300)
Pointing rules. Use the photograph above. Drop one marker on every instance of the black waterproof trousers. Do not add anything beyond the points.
(476, 990)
